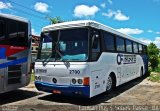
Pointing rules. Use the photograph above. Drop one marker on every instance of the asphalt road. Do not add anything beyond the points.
(138, 95)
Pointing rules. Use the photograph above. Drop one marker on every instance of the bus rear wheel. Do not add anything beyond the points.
(109, 84)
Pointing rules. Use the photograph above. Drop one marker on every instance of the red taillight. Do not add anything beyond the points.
(86, 81)
(56, 92)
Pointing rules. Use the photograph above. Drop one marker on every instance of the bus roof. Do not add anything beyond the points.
(91, 23)
(17, 18)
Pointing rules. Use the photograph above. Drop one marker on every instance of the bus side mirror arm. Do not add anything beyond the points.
(30, 40)
(94, 37)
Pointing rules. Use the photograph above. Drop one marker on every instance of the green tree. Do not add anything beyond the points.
(153, 53)
(56, 20)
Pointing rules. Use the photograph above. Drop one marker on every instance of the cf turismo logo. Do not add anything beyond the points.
(119, 59)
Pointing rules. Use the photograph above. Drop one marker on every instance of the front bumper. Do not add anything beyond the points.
(79, 91)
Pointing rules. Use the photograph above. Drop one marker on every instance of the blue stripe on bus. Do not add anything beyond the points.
(15, 62)
(69, 90)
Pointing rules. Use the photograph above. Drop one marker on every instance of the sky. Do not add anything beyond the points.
(138, 18)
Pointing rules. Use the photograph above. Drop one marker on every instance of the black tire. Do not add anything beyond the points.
(109, 84)
(141, 72)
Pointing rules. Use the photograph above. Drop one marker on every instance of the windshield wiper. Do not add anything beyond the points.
(56, 46)
(46, 60)
(58, 51)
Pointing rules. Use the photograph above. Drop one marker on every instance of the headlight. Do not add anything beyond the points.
(38, 78)
(74, 81)
(80, 81)
(54, 80)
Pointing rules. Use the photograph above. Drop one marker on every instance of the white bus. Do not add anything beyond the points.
(86, 58)
(15, 52)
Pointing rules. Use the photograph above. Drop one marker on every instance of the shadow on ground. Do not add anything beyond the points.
(102, 98)
(16, 95)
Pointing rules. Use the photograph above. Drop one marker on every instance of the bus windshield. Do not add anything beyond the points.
(64, 45)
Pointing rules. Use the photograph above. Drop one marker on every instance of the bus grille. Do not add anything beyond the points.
(14, 74)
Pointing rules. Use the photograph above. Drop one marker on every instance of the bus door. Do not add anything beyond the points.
(96, 67)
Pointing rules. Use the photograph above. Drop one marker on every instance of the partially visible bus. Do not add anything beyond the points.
(15, 52)
(86, 58)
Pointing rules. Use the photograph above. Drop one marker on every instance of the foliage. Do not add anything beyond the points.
(157, 69)
(153, 53)
(56, 20)
(148, 72)
(155, 77)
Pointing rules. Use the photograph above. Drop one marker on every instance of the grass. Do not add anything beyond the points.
(32, 77)
(154, 77)
(155, 74)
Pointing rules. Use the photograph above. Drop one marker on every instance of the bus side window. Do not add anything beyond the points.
(129, 46)
(140, 49)
(95, 45)
(144, 49)
(109, 41)
(135, 47)
(120, 44)
(2, 31)
(22, 33)
(17, 33)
